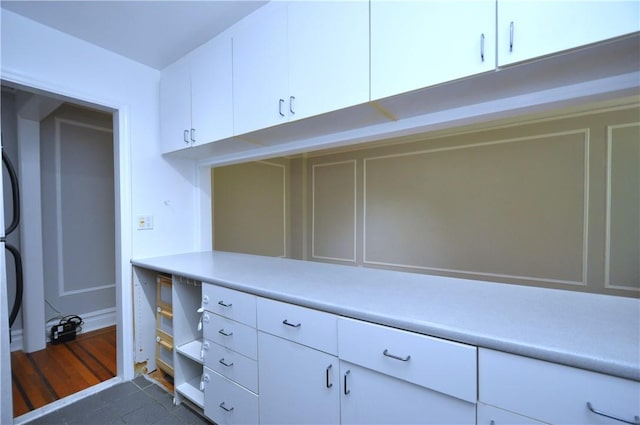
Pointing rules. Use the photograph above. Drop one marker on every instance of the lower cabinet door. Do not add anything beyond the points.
(297, 384)
(226, 402)
(489, 415)
(370, 397)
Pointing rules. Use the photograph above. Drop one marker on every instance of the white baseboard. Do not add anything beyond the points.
(92, 321)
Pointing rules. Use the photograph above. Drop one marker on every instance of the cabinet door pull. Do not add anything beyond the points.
(393, 356)
(222, 303)
(185, 136)
(297, 325)
(280, 102)
(291, 99)
(635, 421)
(223, 363)
(482, 47)
(193, 135)
(329, 384)
(228, 409)
(222, 332)
(346, 389)
(511, 36)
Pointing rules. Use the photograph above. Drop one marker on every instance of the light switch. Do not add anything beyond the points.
(144, 222)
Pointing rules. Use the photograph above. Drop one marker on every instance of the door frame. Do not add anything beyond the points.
(123, 223)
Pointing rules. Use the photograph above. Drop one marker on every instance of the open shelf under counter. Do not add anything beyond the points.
(191, 391)
(191, 350)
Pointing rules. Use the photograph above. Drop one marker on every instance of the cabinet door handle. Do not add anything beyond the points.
(185, 136)
(193, 135)
(329, 384)
(393, 356)
(482, 47)
(635, 421)
(511, 36)
(297, 325)
(223, 407)
(346, 388)
(291, 99)
(223, 363)
(222, 303)
(280, 102)
(222, 332)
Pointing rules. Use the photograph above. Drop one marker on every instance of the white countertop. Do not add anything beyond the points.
(594, 332)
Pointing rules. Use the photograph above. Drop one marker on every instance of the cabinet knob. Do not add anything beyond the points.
(291, 99)
(286, 322)
(635, 421)
(511, 30)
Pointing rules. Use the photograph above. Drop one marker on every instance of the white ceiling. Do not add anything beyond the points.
(152, 32)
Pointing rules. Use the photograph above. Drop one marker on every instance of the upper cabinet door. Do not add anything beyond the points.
(328, 56)
(175, 106)
(260, 76)
(528, 29)
(415, 44)
(212, 91)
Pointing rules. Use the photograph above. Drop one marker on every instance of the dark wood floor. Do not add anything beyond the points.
(44, 376)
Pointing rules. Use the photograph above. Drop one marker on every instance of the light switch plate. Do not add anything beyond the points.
(144, 222)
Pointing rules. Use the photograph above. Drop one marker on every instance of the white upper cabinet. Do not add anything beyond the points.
(212, 91)
(528, 29)
(196, 104)
(415, 44)
(260, 82)
(328, 56)
(175, 106)
(298, 59)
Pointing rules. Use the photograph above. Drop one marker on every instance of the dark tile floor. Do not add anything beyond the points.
(138, 402)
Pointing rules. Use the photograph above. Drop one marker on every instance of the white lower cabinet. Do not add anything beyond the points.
(370, 397)
(226, 402)
(554, 393)
(298, 384)
(489, 415)
(393, 376)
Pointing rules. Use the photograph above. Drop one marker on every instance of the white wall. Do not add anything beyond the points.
(37, 56)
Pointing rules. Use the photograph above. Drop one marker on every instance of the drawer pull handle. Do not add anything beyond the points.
(223, 407)
(222, 332)
(285, 322)
(223, 363)
(346, 389)
(222, 303)
(329, 384)
(635, 421)
(393, 356)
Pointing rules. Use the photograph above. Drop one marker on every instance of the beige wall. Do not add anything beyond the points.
(250, 208)
(553, 203)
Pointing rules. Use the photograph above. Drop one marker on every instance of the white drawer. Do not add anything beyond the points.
(231, 334)
(313, 328)
(489, 415)
(231, 364)
(229, 303)
(554, 393)
(441, 365)
(225, 402)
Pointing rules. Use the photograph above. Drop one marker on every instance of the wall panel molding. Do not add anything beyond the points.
(336, 227)
(629, 231)
(62, 290)
(579, 136)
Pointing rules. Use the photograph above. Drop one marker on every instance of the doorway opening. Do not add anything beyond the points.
(65, 156)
